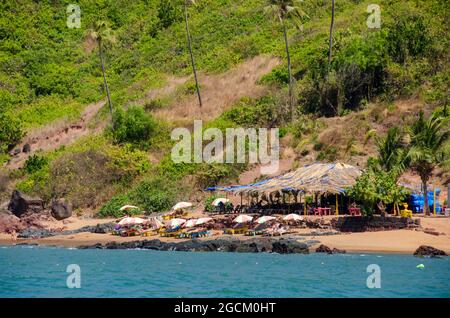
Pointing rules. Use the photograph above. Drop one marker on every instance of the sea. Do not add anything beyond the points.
(35, 271)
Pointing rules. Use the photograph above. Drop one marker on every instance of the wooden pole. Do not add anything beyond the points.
(337, 205)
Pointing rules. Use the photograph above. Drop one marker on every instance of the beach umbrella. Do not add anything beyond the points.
(203, 221)
(217, 201)
(292, 217)
(242, 218)
(264, 219)
(190, 223)
(175, 222)
(128, 207)
(181, 205)
(154, 222)
(131, 221)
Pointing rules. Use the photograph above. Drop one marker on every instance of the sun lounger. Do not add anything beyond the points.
(149, 233)
(233, 231)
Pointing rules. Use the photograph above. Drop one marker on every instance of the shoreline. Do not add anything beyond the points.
(403, 241)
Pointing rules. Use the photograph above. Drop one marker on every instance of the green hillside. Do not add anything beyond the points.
(49, 73)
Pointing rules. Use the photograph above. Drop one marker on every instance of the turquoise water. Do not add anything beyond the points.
(41, 272)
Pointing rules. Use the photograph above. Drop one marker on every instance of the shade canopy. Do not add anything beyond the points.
(243, 218)
(333, 178)
(131, 221)
(217, 201)
(181, 205)
(175, 222)
(128, 207)
(265, 219)
(292, 217)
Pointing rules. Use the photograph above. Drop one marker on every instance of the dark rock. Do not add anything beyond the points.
(431, 232)
(61, 209)
(26, 148)
(324, 249)
(429, 251)
(35, 233)
(338, 251)
(21, 204)
(282, 246)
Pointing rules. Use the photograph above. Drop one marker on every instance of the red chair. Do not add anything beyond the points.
(354, 211)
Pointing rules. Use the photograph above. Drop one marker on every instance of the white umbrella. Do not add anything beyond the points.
(154, 222)
(217, 201)
(242, 218)
(128, 207)
(131, 221)
(181, 205)
(190, 223)
(175, 222)
(264, 219)
(292, 217)
(203, 220)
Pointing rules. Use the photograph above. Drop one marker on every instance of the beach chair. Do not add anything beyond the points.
(239, 230)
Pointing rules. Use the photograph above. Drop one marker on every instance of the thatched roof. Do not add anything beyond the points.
(318, 177)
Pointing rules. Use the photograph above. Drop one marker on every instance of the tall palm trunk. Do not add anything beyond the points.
(291, 94)
(190, 52)
(426, 208)
(331, 33)
(100, 50)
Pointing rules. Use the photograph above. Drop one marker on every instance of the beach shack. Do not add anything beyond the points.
(317, 188)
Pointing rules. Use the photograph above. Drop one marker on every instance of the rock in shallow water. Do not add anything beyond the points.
(429, 251)
(281, 246)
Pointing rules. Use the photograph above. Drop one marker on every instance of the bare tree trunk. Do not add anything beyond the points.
(100, 50)
(426, 208)
(291, 94)
(190, 51)
(331, 32)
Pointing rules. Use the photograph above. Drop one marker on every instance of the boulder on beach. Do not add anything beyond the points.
(21, 203)
(429, 251)
(9, 222)
(61, 209)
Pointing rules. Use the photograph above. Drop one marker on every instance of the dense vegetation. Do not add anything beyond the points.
(49, 72)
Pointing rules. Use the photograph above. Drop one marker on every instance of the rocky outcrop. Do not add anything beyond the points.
(21, 204)
(373, 223)
(42, 233)
(61, 209)
(325, 249)
(281, 246)
(429, 251)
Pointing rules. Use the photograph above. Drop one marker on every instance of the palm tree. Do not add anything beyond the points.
(429, 148)
(102, 34)
(186, 20)
(331, 32)
(282, 10)
(391, 155)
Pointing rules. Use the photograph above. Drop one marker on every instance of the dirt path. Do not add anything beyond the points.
(55, 135)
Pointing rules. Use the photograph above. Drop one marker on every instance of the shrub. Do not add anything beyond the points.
(35, 163)
(10, 131)
(133, 126)
(208, 203)
(155, 194)
(111, 208)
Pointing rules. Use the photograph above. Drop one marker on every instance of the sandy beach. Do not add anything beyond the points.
(394, 241)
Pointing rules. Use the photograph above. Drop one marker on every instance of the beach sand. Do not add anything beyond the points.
(396, 241)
